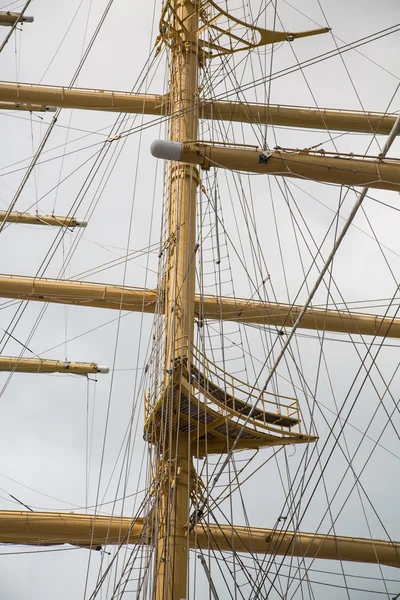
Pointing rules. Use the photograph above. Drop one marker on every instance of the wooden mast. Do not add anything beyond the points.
(172, 552)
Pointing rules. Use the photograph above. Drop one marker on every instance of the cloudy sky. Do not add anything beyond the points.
(63, 438)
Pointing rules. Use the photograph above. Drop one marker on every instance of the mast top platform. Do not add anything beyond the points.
(224, 33)
(218, 410)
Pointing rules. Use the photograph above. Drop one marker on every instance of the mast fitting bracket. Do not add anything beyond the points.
(264, 157)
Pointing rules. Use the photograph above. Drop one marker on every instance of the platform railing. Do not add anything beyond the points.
(241, 396)
(228, 396)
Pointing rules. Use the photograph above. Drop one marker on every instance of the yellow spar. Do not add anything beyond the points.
(28, 219)
(41, 365)
(241, 310)
(10, 18)
(26, 107)
(50, 528)
(302, 164)
(25, 96)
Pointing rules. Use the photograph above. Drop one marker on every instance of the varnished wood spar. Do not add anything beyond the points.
(25, 96)
(303, 545)
(100, 295)
(26, 107)
(29, 219)
(80, 293)
(51, 528)
(43, 529)
(298, 116)
(375, 173)
(42, 365)
(82, 98)
(10, 18)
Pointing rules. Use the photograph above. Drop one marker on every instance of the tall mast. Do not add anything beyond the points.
(180, 277)
(172, 554)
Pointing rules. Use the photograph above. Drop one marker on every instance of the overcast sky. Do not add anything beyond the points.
(55, 428)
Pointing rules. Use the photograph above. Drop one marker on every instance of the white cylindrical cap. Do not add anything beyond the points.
(27, 19)
(81, 224)
(102, 369)
(166, 150)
